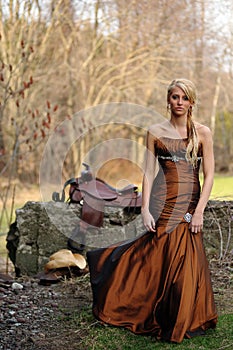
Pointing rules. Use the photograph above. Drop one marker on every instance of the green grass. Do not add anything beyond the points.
(222, 188)
(3, 250)
(96, 336)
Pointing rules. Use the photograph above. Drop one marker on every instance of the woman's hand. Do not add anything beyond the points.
(196, 223)
(148, 221)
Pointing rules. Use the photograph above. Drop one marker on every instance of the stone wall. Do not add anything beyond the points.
(44, 228)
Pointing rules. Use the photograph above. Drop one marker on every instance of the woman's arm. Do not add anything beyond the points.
(208, 173)
(147, 182)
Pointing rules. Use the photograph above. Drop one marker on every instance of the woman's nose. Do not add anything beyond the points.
(180, 101)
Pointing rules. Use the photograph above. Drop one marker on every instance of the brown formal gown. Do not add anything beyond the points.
(159, 283)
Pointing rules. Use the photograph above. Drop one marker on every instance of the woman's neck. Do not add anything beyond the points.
(180, 125)
(178, 122)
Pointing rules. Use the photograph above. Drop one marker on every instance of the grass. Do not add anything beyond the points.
(222, 188)
(96, 336)
(2, 240)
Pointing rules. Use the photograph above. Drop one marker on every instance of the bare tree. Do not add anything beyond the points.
(89, 53)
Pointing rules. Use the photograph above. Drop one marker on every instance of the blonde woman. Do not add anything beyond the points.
(159, 283)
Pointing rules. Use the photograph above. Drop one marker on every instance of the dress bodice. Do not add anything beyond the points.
(176, 187)
(172, 149)
(171, 155)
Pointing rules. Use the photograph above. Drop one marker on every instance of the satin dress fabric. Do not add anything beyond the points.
(159, 283)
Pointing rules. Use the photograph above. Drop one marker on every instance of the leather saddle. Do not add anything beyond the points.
(94, 195)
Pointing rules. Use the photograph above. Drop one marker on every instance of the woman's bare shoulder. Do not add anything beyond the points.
(203, 131)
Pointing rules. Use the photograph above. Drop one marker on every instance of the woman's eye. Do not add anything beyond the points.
(176, 97)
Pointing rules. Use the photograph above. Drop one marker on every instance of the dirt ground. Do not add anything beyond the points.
(37, 317)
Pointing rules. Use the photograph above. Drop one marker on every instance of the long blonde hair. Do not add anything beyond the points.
(190, 91)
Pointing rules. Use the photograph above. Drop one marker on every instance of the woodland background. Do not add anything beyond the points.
(59, 57)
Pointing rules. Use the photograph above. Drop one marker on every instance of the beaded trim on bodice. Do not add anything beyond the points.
(175, 158)
(173, 149)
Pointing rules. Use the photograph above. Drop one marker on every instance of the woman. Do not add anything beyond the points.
(159, 283)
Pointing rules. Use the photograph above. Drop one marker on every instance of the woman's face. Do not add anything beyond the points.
(179, 102)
